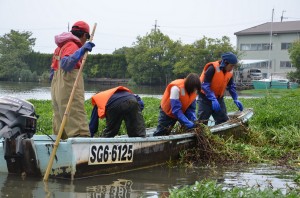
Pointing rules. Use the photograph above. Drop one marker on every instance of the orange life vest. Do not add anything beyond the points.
(185, 99)
(100, 99)
(219, 81)
(66, 50)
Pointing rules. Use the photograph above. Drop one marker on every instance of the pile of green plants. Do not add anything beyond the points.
(208, 188)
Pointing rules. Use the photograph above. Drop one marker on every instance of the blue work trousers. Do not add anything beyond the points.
(205, 111)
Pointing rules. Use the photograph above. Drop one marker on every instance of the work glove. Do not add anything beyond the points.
(177, 112)
(190, 113)
(80, 52)
(68, 62)
(189, 125)
(215, 105)
(232, 90)
(239, 105)
(211, 96)
(88, 46)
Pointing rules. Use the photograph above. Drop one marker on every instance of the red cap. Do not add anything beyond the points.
(81, 25)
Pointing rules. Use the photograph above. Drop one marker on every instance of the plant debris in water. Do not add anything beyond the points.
(213, 148)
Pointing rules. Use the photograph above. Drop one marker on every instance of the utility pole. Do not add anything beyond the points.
(155, 25)
(270, 44)
(68, 26)
(283, 11)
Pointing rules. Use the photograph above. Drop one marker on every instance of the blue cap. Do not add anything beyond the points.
(228, 57)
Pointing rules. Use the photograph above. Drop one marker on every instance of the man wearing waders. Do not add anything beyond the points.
(66, 61)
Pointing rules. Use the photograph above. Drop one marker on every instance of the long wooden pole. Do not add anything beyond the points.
(63, 123)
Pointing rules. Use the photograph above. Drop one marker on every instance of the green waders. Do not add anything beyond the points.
(61, 88)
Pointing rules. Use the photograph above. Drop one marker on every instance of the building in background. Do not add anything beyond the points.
(268, 43)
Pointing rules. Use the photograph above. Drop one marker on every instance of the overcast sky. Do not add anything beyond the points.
(121, 21)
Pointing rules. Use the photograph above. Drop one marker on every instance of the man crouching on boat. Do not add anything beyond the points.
(215, 78)
(178, 104)
(115, 105)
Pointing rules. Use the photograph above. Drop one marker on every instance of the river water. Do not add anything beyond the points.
(151, 182)
(41, 91)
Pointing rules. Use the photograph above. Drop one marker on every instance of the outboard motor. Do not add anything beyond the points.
(17, 123)
(17, 117)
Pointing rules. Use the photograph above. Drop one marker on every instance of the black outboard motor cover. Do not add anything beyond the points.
(17, 126)
(16, 117)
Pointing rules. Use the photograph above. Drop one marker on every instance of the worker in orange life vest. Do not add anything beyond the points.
(178, 104)
(115, 105)
(215, 79)
(66, 61)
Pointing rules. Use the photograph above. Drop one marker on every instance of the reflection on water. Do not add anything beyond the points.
(151, 182)
(41, 91)
(262, 176)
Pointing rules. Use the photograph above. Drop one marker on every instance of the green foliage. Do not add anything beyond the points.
(297, 178)
(154, 59)
(194, 57)
(27, 76)
(276, 112)
(106, 66)
(38, 62)
(294, 52)
(14, 46)
(44, 111)
(19, 62)
(151, 111)
(121, 50)
(151, 59)
(209, 188)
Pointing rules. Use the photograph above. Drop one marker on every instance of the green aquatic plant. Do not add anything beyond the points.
(209, 188)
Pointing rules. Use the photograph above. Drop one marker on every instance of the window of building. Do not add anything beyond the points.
(255, 47)
(245, 47)
(285, 46)
(286, 64)
(266, 46)
(263, 65)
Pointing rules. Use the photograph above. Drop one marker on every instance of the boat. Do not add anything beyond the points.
(274, 83)
(27, 153)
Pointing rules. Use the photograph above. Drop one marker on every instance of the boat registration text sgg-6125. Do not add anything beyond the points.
(110, 153)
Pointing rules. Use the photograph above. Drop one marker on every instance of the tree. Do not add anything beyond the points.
(151, 59)
(194, 57)
(294, 52)
(14, 46)
(121, 50)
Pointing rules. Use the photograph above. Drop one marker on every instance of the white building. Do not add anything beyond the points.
(254, 45)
